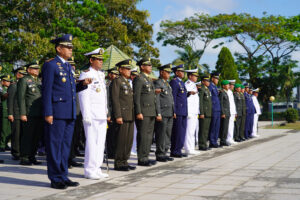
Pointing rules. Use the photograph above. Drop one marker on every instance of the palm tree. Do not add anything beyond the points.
(189, 58)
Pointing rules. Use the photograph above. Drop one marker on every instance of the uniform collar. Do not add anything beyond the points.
(62, 60)
(147, 75)
(179, 78)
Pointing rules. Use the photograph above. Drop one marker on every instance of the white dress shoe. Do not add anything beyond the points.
(133, 153)
(93, 177)
(102, 175)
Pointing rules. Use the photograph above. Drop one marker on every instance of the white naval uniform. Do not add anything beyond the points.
(256, 115)
(192, 118)
(133, 148)
(233, 113)
(93, 105)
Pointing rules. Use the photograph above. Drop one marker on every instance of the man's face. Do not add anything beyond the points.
(164, 74)
(5, 83)
(238, 89)
(64, 51)
(226, 87)
(193, 78)
(206, 83)
(179, 74)
(132, 76)
(125, 72)
(112, 76)
(96, 63)
(215, 80)
(255, 94)
(243, 90)
(33, 72)
(231, 86)
(247, 89)
(146, 69)
(19, 75)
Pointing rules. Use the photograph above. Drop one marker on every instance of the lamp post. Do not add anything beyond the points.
(272, 98)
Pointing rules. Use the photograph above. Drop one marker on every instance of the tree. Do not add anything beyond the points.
(195, 32)
(26, 28)
(226, 66)
(189, 58)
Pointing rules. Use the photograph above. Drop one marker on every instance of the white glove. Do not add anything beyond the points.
(87, 121)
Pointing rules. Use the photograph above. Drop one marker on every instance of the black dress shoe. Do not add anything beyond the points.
(169, 158)
(213, 146)
(146, 163)
(58, 185)
(71, 183)
(123, 168)
(184, 155)
(1, 161)
(161, 159)
(2, 149)
(176, 155)
(15, 157)
(130, 167)
(25, 162)
(152, 162)
(41, 153)
(75, 164)
(203, 149)
(35, 162)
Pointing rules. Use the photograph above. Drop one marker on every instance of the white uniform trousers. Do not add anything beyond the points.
(230, 130)
(197, 131)
(255, 122)
(191, 125)
(133, 149)
(95, 135)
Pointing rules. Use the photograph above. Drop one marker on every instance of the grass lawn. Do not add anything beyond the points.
(295, 126)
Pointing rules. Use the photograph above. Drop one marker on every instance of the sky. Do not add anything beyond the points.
(179, 9)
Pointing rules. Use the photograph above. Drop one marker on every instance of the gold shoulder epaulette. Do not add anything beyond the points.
(49, 59)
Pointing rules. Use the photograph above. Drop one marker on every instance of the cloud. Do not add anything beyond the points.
(215, 5)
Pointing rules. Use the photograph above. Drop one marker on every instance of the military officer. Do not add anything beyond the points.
(30, 103)
(145, 111)
(233, 113)
(180, 110)
(111, 137)
(59, 107)
(165, 114)
(258, 112)
(225, 112)
(238, 100)
(123, 116)
(243, 121)
(205, 113)
(78, 128)
(193, 111)
(5, 125)
(93, 105)
(250, 111)
(216, 111)
(14, 113)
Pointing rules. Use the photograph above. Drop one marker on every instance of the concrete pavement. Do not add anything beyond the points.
(263, 168)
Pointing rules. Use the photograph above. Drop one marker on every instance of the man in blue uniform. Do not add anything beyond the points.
(180, 112)
(59, 106)
(216, 111)
(250, 111)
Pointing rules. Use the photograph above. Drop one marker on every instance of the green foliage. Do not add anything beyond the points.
(26, 28)
(226, 66)
(291, 115)
(267, 116)
(189, 58)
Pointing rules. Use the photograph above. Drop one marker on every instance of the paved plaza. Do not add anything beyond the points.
(264, 168)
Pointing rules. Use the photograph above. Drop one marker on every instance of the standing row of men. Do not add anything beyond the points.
(171, 112)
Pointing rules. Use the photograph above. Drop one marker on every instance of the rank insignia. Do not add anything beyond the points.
(98, 90)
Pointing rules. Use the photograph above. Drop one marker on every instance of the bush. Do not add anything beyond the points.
(291, 115)
(277, 116)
